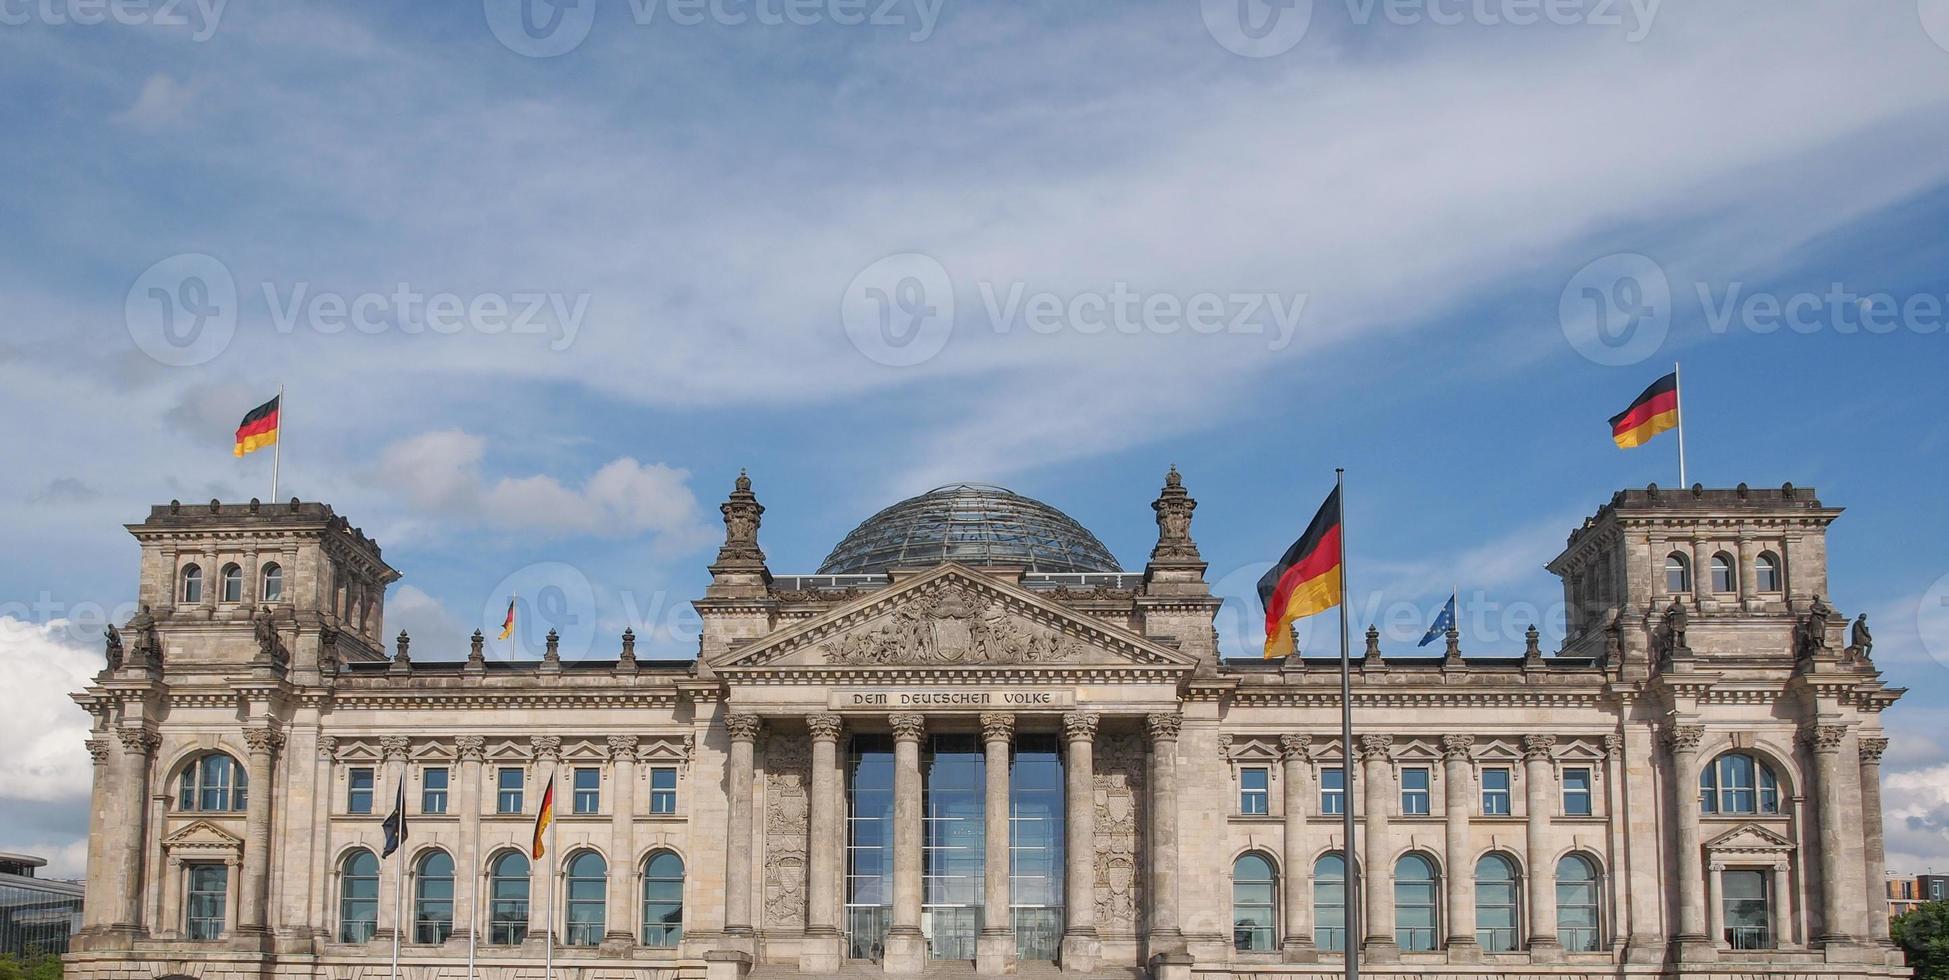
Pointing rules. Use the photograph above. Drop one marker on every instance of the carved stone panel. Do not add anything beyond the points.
(788, 778)
(1119, 832)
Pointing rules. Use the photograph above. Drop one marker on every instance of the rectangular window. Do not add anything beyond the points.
(1748, 919)
(358, 790)
(208, 887)
(1576, 792)
(433, 790)
(1255, 790)
(507, 796)
(1495, 792)
(663, 789)
(588, 790)
(1333, 790)
(1414, 792)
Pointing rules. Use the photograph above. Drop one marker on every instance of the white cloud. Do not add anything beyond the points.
(42, 729)
(163, 101)
(1915, 807)
(441, 472)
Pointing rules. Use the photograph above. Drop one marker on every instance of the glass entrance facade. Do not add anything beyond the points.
(954, 845)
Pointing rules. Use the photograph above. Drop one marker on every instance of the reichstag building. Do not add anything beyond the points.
(974, 742)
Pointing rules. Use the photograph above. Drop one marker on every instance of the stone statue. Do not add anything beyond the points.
(1813, 629)
(114, 646)
(1863, 640)
(1677, 621)
(148, 648)
(266, 635)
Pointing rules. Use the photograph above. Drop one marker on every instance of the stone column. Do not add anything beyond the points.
(1080, 947)
(1377, 873)
(1783, 907)
(1617, 901)
(906, 948)
(393, 748)
(1701, 573)
(995, 950)
(125, 832)
(96, 912)
(819, 952)
(1837, 910)
(1539, 778)
(621, 931)
(1748, 576)
(466, 789)
(1295, 757)
(253, 903)
(318, 896)
(1694, 941)
(1166, 932)
(1458, 779)
(1715, 909)
(1874, 852)
(738, 921)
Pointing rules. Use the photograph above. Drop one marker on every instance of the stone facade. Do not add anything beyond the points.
(251, 735)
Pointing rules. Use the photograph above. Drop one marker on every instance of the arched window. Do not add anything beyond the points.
(1414, 903)
(1254, 905)
(192, 589)
(1576, 904)
(212, 783)
(588, 884)
(1766, 572)
(273, 589)
(1723, 580)
(1496, 904)
(1330, 904)
(663, 900)
(433, 899)
(231, 584)
(358, 897)
(1678, 574)
(1738, 784)
(507, 898)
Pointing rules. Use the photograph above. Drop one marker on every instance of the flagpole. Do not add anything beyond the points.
(548, 961)
(277, 448)
(399, 879)
(1352, 916)
(1678, 390)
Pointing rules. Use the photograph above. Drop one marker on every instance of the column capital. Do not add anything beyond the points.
(1824, 739)
(1455, 748)
(546, 747)
(263, 741)
(1684, 738)
(140, 741)
(622, 748)
(1080, 726)
(997, 726)
(744, 727)
(1164, 726)
(394, 746)
(1375, 748)
(472, 748)
(825, 727)
(1537, 747)
(98, 750)
(1613, 745)
(908, 727)
(1296, 747)
(1872, 746)
(327, 747)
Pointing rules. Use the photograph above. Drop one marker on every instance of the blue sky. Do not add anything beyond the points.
(713, 217)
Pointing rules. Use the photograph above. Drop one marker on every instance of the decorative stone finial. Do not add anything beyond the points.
(476, 652)
(742, 516)
(1532, 647)
(402, 663)
(1174, 506)
(628, 660)
(551, 657)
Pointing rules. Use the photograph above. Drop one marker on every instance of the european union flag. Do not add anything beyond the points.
(1443, 623)
(395, 825)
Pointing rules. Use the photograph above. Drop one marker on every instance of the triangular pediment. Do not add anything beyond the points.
(953, 617)
(1750, 838)
(202, 835)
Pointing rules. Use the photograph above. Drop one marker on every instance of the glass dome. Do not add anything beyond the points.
(972, 524)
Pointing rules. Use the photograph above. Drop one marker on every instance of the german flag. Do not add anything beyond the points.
(1654, 412)
(507, 625)
(543, 817)
(259, 428)
(1307, 580)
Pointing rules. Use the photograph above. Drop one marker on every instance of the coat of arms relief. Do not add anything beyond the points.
(950, 623)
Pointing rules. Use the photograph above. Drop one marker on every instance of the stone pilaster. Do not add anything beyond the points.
(393, 748)
(1080, 946)
(318, 915)
(126, 832)
(96, 910)
(253, 904)
(1874, 852)
(739, 928)
(820, 951)
(466, 789)
(1539, 782)
(995, 949)
(1295, 757)
(1838, 914)
(1376, 891)
(621, 933)
(1694, 942)
(1166, 932)
(1458, 778)
(906, 948)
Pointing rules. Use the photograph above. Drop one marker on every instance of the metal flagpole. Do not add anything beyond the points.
(548, 961)
(277, 448)
(1352, 916)
(1678, 389)
(399, 881)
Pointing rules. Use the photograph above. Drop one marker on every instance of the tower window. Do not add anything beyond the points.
(192, 588)
(1722, 575)
(273, 582)
(1678, 574)
(232, 583)
(1766, 572)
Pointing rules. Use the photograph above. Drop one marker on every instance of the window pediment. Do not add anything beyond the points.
(201, 838)
(1749, 843)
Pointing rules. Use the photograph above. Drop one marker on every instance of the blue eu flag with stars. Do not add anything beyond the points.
(1443, 623)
